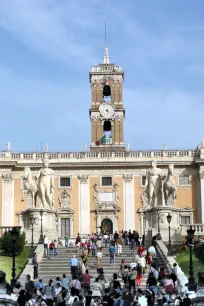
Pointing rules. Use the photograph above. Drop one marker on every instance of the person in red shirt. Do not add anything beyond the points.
(140, 250)
(85, 280)
(51, 248)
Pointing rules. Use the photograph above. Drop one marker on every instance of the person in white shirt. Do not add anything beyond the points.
(142, 262)
(133, 264)
(142, 300)
(152, 251)
(99, 259)
(45, 242)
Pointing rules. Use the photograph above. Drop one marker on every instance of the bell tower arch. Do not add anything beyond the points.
(107, 113)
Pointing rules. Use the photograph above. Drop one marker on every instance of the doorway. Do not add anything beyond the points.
(107, 226)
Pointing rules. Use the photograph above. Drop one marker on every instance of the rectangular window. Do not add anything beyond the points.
(143, 180)
(106, 181)
(65, 181)
(65, 227)
(185, 220)
(184, 180)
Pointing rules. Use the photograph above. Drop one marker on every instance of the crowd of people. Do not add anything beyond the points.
(127, 286)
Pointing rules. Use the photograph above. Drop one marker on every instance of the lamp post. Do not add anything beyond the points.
(191, 280)
(33, 220)
(41, 230)
(14, 237)
(169, 216)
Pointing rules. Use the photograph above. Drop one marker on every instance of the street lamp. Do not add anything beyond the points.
(14, 237)
(33, 220)
(169, 216)
(41, 230)
(191, 280)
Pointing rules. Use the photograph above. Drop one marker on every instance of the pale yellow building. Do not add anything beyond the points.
(103, 187)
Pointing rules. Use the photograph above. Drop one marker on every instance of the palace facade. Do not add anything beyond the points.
(106, 187)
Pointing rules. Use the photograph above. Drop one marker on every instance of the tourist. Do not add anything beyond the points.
(101, 278)
(122, 266)
(152, 251)
(130, 236)
(97, 289)
(139, 275)
(169, 287)
(78, 241)
(154, 271)
(125, 275)
(83, 243)
(142, 262)
(74, 265)
(112, 255)
(141, 250)
(162, 276)
(142, 300)
(132, 278)
(187, 301)
(132, 264)
(105, 238)
(51, 248)
(55, 248)
(115, 284)
(21, 298)
(58, 294)
(49, 293)
(65, 283)
(99, 245)
(119, 245)
(85, 280)
(107, 300)
(132, 246)
(118, 301)
(89, 244)
(152, 283)
(39, 284)
(29, 287)
(66, 240)
(93, 249)
(75, 283)
(99, 257)
(72, 297)
(35, 265)
(45, 242)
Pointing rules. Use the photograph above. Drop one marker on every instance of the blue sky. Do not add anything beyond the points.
(48, 46)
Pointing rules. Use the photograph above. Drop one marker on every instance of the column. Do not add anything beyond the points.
(128, 202)
(201, 206)
(84, 205)
(7, 199)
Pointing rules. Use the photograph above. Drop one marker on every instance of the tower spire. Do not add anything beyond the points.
(106, 59)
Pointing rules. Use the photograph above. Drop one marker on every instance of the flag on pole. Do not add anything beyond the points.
(101, 141)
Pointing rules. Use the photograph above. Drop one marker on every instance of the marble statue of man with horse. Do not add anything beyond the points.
(159, 186)
(41, 186)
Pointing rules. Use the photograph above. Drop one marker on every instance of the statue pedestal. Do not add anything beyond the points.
(49, 224)
(156, 221)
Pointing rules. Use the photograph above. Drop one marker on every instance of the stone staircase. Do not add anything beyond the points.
(51, 268)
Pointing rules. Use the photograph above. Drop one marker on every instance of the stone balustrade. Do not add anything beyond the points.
(91, 156)
(199, 229)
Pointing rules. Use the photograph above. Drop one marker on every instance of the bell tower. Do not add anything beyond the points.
(107, 113)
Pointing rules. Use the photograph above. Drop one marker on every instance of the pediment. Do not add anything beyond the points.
(186, 208)
(65, 210)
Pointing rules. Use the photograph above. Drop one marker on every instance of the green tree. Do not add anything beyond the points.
(6, 244)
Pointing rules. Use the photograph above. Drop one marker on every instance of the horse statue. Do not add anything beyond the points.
(169, 186)
(30, 185)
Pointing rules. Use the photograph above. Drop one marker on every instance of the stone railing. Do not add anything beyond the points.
(169, 261)
(93, 156)
(199, 229)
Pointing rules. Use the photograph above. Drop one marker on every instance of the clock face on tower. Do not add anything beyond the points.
(106, 110)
